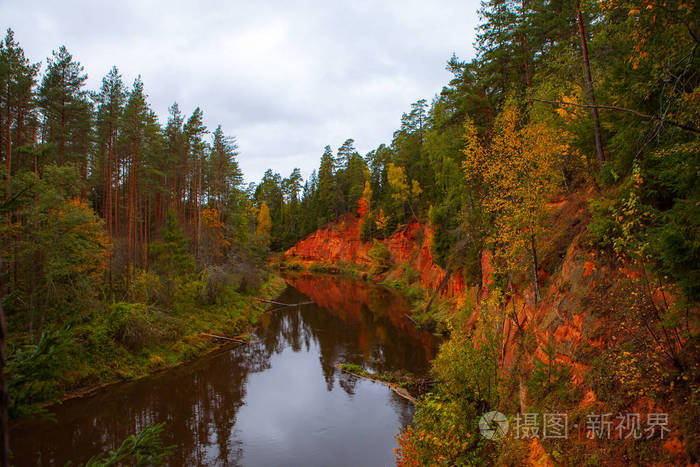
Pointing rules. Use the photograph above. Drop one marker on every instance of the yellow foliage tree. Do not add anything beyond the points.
(520, 170)
(382, 221)
(364, 210)
(396, 177)
(212, 241)
(403, 192)
(264, 227)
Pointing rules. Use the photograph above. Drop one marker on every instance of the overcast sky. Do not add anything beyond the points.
(285, 78)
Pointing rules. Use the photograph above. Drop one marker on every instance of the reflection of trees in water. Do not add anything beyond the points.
(348, 383)
(353, 322)
(367, 319)
(204, 407)
(199, 405)
(405, 411)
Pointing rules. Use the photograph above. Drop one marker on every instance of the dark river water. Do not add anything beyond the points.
(280, 401)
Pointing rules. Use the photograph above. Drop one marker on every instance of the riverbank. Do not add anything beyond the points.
(129, 341)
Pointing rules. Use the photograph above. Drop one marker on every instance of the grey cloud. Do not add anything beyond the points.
(285, 78)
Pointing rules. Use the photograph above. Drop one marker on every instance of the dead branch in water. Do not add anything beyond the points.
(394, 387)
(232, 339)
(283, 304)
(412, 320)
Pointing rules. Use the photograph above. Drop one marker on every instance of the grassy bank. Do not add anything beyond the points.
(126, 341)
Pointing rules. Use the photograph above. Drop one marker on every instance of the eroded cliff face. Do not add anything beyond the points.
(580, 314)
(334, 243)
(340, 242)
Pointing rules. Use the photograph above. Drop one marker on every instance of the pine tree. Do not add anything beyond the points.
(224, 175)
(171, 255)
(408, 144)
(327, 186)
(110, 105)
(176, 148)
(356, 175)
(64, 107)
(364, 211)
(194, 131)
(497, 44)
(17, 81)
(133, 144)
(377, 161)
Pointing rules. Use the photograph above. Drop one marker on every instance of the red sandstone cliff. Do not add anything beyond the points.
(340, 243)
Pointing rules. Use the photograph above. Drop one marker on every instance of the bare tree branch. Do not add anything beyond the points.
(620, 109)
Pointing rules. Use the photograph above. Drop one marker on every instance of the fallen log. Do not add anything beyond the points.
(232, 339)
(394, 387)
(283, 304)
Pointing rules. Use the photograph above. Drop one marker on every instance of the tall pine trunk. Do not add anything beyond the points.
(4, 397)
(535, 267)
(8, 145)
(589, 84)
(117, 199)
(62, 138)
(130, 215)
(526, 59)
(108, 185)
(18, 135)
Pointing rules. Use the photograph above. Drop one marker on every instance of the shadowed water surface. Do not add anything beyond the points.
(280, 401)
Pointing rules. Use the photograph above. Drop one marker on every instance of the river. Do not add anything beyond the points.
(278, 401)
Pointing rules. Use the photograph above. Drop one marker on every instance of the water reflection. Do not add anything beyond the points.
(279, 401)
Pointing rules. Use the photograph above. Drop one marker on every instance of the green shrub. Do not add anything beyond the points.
(146, 287)
(368, 227)
(354, 368)
(550, 383)
(467, 372)
(445, 432)
(34, 372)
(410, 274)
(603, 227)
(445, 426)
(216, 282)
(130, 325)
